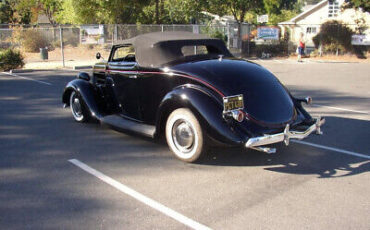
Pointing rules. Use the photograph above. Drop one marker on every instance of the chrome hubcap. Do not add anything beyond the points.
(183, 136)
(76, 106)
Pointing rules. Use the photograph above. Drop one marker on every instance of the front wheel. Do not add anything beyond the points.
(79, 112)
(184, 135)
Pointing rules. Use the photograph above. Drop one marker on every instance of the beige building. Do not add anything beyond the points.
(309, 21)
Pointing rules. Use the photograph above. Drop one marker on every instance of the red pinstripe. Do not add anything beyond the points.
(177, 74)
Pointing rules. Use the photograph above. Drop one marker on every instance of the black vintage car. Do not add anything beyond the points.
(189, 88)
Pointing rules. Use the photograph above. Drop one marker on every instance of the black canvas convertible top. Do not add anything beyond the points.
(160, 48)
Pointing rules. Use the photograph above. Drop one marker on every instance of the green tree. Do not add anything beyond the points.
(170, 12)
(238, 8)
(284, 15)
(97, 11)
(15, 11)
(6, 13)
(276, 6)
(50, 8)
(19, 11)
(67, 13)
(363, 4)
(282, 10)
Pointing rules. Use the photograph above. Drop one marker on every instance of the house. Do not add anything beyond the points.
(309, 21)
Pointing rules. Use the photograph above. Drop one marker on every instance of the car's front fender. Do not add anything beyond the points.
(205, 107)
(87, 92)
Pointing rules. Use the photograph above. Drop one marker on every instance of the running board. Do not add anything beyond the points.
(122, 124)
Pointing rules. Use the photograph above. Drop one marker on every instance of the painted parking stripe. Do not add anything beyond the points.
(144, 199)
(27, 78)
(342, 109)
(333, 149)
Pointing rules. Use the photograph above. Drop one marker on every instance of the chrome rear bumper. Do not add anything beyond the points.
(257, 142)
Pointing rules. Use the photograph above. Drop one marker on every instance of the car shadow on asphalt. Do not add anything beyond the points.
(293, 159)
(302, 159)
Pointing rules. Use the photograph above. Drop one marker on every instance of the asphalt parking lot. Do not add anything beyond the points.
(58, 174)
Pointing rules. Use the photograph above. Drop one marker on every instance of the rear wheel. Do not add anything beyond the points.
(184, 135)
(79, 112)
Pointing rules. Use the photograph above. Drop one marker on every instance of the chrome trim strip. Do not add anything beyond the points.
(285, 136)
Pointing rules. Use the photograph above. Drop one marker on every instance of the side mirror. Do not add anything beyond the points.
(308, 100)
(98, 55)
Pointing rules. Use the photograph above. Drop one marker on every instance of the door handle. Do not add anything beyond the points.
(133, 76)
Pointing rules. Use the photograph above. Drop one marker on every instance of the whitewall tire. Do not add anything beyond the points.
(184, 135)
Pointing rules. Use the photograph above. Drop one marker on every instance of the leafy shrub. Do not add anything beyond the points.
(10, 59)
(33, 40)
(334, 35)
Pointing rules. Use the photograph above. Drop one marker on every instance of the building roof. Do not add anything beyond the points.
(159, 48)
(304, 13)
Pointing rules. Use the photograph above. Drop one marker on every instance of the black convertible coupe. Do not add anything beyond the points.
(191, 89)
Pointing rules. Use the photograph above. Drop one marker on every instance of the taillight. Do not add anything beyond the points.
(238, 115)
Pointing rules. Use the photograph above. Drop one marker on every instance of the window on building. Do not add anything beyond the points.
(311, 30)
(333, 8)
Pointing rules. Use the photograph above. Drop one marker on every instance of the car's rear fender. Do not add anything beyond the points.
(86, 90)
(206, 108)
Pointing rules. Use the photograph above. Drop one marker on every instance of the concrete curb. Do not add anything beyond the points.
(83, 67)
(20, 71)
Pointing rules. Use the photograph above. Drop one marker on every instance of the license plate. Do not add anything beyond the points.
(233, 103)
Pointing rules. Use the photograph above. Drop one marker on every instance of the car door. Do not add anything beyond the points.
(123, 75)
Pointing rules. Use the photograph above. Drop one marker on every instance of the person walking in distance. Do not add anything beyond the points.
(301, 46)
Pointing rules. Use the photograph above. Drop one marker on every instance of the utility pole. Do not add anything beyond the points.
(61, 44)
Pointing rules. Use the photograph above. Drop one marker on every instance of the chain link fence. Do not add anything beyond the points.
(328, 39)
(68, 46)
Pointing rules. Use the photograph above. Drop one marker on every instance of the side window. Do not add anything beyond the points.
(124, 53)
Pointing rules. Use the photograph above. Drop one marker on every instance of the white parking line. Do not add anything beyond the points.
(333, 149)
(337, 108)
(27, 78)
(146, 200)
